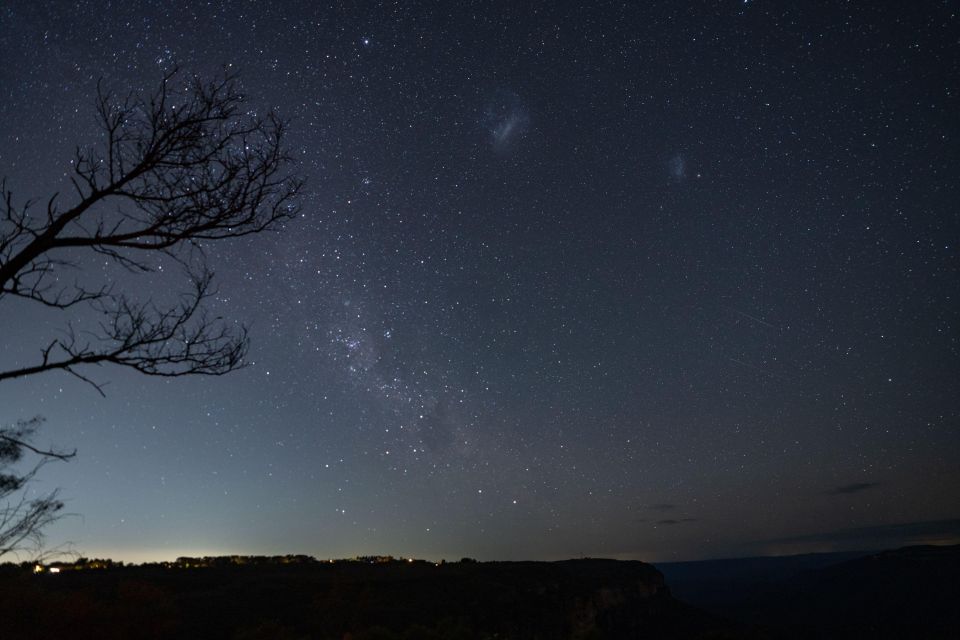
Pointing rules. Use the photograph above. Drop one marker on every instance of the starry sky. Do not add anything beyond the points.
(657, 280)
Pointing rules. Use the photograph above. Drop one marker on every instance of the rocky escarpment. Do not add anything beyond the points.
(575, 599)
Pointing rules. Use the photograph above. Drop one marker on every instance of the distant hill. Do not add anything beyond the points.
(719, 585)
(906, 593)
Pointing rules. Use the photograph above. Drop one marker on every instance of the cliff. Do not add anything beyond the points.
(575, 599)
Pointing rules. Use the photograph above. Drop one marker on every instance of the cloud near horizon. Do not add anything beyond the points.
(856, 487)
(883, 535)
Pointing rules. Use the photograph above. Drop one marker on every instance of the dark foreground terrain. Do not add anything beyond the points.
(907, 593)
(375, 601)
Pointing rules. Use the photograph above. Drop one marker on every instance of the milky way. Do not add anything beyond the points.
(631, 280)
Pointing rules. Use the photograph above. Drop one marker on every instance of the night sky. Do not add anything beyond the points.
(636, 280)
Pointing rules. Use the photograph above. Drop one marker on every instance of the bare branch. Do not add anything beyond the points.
(186, 164)
(50, 453)
(21, 520)
(168, 342)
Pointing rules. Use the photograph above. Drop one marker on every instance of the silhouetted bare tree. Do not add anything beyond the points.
(175, 169)
(22, 520)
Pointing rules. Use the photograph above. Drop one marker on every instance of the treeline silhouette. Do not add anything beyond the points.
(908, 593)
(359, 599)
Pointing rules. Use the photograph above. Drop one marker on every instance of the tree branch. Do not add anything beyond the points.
(186, 164)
